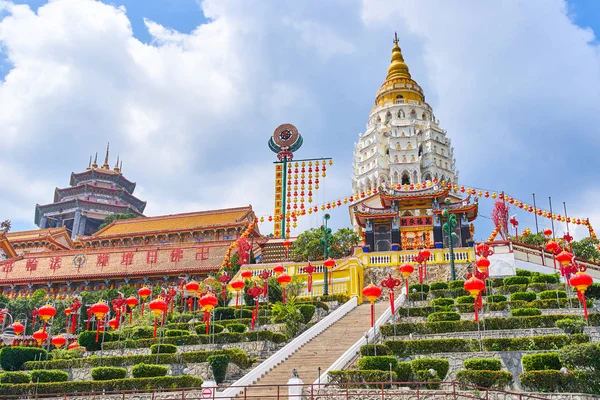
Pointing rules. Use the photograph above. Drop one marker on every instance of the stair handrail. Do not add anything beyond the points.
(289, 349)
(350, 354)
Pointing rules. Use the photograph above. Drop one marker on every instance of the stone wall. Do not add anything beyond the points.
(593, 331)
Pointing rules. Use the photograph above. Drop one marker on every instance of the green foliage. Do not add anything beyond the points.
(545, 278)
(494, 298)
(224, 313)
(438, 286)
(148, 370)
(533, 239)
(418, 287)
(108, 373)
(142, 332)
(417, 296)
(307, 311)
(426, 376)
(114, 217)
(525, 312)
(540, 287)
(15, 377)
(235, 327)
(242, 313)
(516, 280)
(571, 325)
(369, 350)
(593, 291)
(545, 342)
(458, 284)
(541, 362)
(163, 349)
(87, 339)
(511, 289)
(356, 376)
(65, 354)
(403, 348)
(484, 378)
(176, 332)
(288, 314)
(442, 302)
(524, 296)
(216, 328)
(381, 363)
(523, 272)
(443, 316)
(49, 375)
(543, 381)
(308, 244)
(458, 292)
(552, 295)
(440, 365)
(587, 249)
(465, 300)
(487, 364)
(581, 356)
(218, 365)
(13, 358)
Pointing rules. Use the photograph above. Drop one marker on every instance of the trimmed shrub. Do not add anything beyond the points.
(369, 350)
(464, 300)
(545, 278)
(224, 313)
(546, 342)
(148, 370)
(141, 332)
(201, 328)
(479, 364)
(108, 373)
(417, 296)
(49, 375)
(87, 339)
(238, 328)
(538, 287)
(443, 316)
(176, 332)
(516, 280)
(218, 365)
(495, 298)
(420, 287)
(163, 349)
(496, 282)
(15, 377)
(438, 286)
(307, 311)
(458, 284)
(485, 379)
(458, 292)
(543, 381)
(426, 376)
(242, 313)
(511, 289)
(552, 294)
(581, 356)
(523, 272)
(403, 348)
(13, 358)
(525, 312)
(440, 365)
(442, 302)
(541, 362)
(381, 363)
(571, 325)
(523, 296)
(593, 291)
(435, 294)
(404, 372)
(342, 377)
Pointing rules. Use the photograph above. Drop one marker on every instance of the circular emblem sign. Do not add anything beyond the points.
(206, 393)
(79, 260)
(285, 138)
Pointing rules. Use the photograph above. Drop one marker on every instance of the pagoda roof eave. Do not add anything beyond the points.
(92, 188)
(99, 171)
(471, 210)
(41, 207)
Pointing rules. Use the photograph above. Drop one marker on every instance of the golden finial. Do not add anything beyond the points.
(95, 164)
(121, 166)
(397, 68)
(90, 163)
(105, 165)
(117, 165)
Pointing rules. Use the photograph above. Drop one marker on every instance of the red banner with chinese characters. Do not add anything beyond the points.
(416, 221)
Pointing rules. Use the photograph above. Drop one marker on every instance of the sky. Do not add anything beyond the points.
(188, 94)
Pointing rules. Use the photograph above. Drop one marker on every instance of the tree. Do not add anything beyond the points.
(109, 219)
(587, 249)
(500, 218)
(308, 245)
(533, 239)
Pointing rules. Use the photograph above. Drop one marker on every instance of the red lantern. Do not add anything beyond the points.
(286, 245)
(73, 345)
(237, 286)
(144, 293)
(309, 270)
(18, 327)
(279, 270)
(581, 282)
(390, 283)
(58, 341)
(406, 270)
(192, 287)
(46, 313)
(99, 309)
(475, 287)
(113, 323)
(284, 279)
(246, 274)
(208, 302)
(40, 336)
(483, 264)
(372, 293)
(255, 293)
(68, 311)
(132, 302)
(224, 280)
(564, 257)
(426, 254)
(548, 232)
(158, 307)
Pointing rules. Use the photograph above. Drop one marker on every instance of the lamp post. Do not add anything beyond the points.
(325, 242)
(448, 228)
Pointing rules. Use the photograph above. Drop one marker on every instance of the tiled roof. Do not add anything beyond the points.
(176, 222)
(122, 262)
(34, 234)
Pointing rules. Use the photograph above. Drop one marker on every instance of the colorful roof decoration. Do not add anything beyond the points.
(40, 239)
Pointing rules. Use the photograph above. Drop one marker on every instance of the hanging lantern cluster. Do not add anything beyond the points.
(265, 275)
(224, 280)
(581, 281)
(40, 336)
(391, 283)
(421, 259)
(309, 270)
(131, 302)
(372, 293)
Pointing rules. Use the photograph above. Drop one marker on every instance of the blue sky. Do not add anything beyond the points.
(188, 94)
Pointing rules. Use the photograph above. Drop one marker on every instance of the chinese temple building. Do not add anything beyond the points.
(151, 250)
(95, 193)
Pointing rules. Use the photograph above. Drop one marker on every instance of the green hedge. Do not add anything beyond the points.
(140, 332)
(307, 311)
(546, 342)
(237, 328)
(458, 292)
(458, 284)
(524, 296)
(443, 316)
(525, 312)
(523, 272)
(485, 379)
(163, 349)
(13, 358)
(369, 350)
(148, 370)
(440, 365)
(49, 375)
(552, 294)
(87, 339)
(465, 300)
(420, 287)
(262, 319)
(545, 278)
(479, 364)
(15, 377)
(216, 328)
(581, 356)
(381, 363)
(442, 302)
(571, 325)
(99, 386)
(438, 286)
(176, 332)
(218, 365)
(341, 377)
(108, 373)
(403, 348)
(540, 287)
(417, 296)
(516, 280)
(494, 298)
(541, 362)
(511, 289)
(224, 313)
(436, 294)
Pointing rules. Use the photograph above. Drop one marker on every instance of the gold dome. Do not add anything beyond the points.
(397, 68)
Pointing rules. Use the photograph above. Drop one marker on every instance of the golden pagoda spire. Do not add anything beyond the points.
(121, 166)
(95, 164)
(397, 68)
(105, 165)
(117, 165)
(90, 163)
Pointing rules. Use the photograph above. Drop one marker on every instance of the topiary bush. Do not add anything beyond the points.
(419, 287)
(488, 364)
(523, 272)
(438, 286)
(458, 284)
(440, 365)
(545, 278)
(546, 342)
(552, 294)
(458, 292)
(355, 376)
(87, 339)
(224, 313)
(417, 296)
(523, 296)
(538, 287)
(484, 378)
(541, 362)
(201, 328)
(143, 370)
(369, 350)
(426, 376)
(442, 302)
(15, 377)
(465, 300)
(495, 298)
(508, 289)
(49, 375)
(141, 332)
(238, 328)
(584, 356)
(13, 358)
(108, 373)
(163, 349)
(403, 348)
(525, 312)
(242, 313)
(443, 316)
(381, 363)
(516, 280)
(543, 381)
(571, 325)
(307, 311)
(218, 365)
(176, 332)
